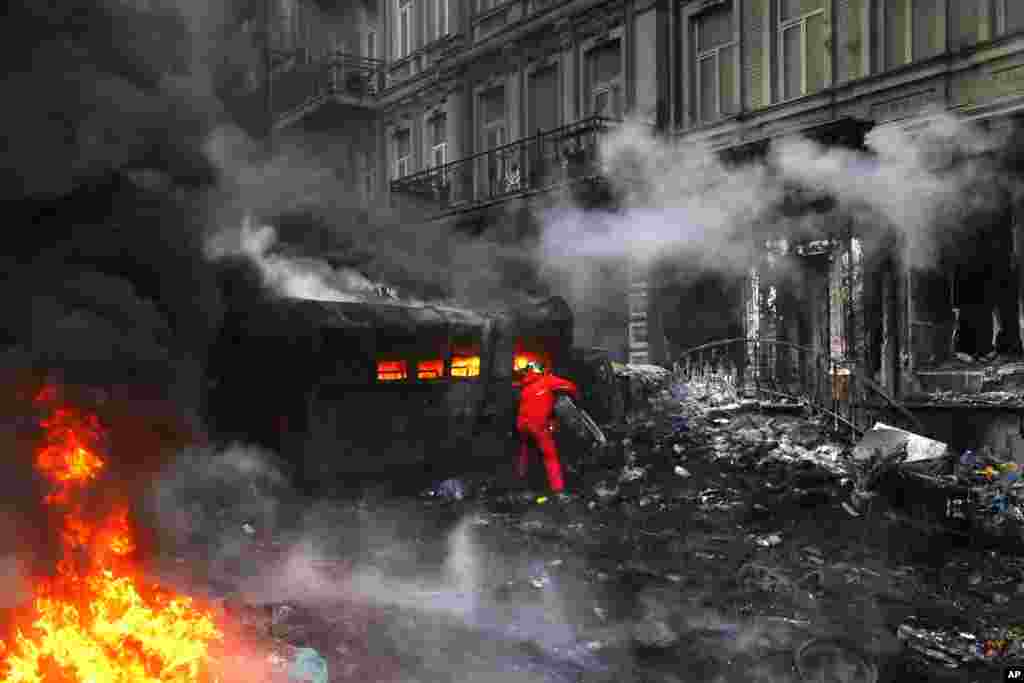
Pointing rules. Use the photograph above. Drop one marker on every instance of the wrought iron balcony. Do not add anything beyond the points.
(541, 161)
(300, 84)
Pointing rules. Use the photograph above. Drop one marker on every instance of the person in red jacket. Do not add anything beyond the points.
(536, 405)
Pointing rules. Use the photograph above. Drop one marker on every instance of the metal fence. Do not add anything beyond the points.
(301, 82)
(774, 369)
(542, 160)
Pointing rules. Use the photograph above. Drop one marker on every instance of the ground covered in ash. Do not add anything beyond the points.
(707, 543)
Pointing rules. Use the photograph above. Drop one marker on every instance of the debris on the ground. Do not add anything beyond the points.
(954, 648)
(823, 659)
(451, 489)
(769, 541)
(308, 667)
(654, 634)
(682, 471)
(603, 491)
(574, 419)
(887, 441)
(653, 375)
(631, 474)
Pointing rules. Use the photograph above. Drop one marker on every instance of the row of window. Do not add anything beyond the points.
(603, 84)
(460, 366)
(398, 370)
(910, 30)
(432, 15)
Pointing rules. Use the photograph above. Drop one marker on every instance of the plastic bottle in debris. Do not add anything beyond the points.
(966, 464)
(308, 667)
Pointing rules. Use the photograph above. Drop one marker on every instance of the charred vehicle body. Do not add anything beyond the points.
(365, 388)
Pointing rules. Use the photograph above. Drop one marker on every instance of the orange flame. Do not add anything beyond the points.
(100, 623)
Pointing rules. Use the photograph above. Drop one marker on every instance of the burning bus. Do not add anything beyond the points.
(362, 387)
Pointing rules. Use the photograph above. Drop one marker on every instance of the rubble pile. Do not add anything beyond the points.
(707, 517)
(981, 399)
(996, 494)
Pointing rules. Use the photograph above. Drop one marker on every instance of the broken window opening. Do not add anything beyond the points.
(530, 350)
(392, 370)
(982, 300)
(465, 366)
(430, 369)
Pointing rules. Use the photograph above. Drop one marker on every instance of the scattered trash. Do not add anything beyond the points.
(308, 667)
(682, 471)
(769, 541)
(830, 660)
(249, 529)
(886, 441)
(654, 634)
(678, 448)
(541, 500)
(451, 489)
(631, 474)
(576, 420)
(954, 648)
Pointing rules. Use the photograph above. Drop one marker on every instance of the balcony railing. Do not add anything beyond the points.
(544, 160)
(301, 83)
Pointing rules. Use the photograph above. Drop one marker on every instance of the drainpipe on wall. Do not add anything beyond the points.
(268, 73)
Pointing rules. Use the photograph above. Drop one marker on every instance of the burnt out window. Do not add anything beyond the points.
(392, 370)
(430, 369)
(528, 350)
(465, 358)
(604, 71)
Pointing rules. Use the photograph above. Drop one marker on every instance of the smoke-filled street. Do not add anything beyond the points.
(551, 341)
(710, 542)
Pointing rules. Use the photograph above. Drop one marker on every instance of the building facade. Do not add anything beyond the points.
(469, 111)
(748, 71)
(745, 72)
(462, 111)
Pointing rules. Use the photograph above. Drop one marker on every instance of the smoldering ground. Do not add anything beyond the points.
(421, 584)
(454, 595)
(682, 207)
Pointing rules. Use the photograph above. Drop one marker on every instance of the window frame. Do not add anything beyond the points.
(499, 123)
(612, 87)
(490, 167)
(433, 122)
(998, 9)
(714, 54)
(403, 161)
(532, 72)
(879, 23)
(781, 27)
(404, 21)
(441, 10)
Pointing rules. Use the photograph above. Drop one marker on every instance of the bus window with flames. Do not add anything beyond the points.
(430, 369)
(392, 370)
(465, 366)
(521, 359)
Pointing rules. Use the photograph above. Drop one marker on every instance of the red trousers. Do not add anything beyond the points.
(542, 437)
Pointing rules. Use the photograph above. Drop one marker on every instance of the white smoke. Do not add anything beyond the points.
(682, 207)
(292, 276)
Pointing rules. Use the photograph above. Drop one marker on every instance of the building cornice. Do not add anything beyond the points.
(498, 40)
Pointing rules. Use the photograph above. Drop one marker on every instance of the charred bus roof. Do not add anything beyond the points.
(550, 317)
